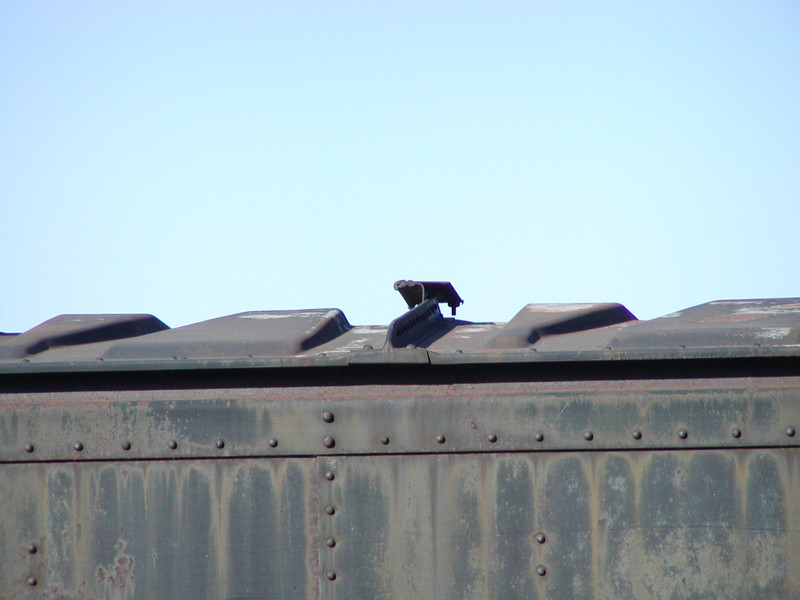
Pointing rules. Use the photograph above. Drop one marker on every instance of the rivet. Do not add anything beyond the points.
(588, 436)
(31, 581)
(172, 444)
(327, 416)
(737, 433)
(32, 548)
(790, 431)
(330, 510)
(273, 443)
(539, 437)
(384, 440)
(683, 434)
(328, 441)
(331, 575)
(440, 438)
(637, 435)
(220, 444)
(541, 571)
(540, 538)
(330, 542)
(492, 438)
(28, 448)
(78, 446)
(126, 446)
(330, 476)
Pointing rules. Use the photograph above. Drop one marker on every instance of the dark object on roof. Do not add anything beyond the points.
(416, 292)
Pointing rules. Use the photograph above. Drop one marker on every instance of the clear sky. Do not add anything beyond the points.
(198, 159)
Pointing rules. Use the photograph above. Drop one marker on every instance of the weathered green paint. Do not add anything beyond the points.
(411, 415)
(159, 529)
(709, 516)
(676, 524)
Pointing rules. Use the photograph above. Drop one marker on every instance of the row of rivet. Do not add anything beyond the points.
(330, 541)
(329, 442)
(541, 570)
(682, 433)
(588, 435)
(31, 580)
(172, 445)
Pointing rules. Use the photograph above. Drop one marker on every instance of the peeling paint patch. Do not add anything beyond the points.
(117, 579)
(288, 315)
(559, 308)
(476, 328)
(774, 333)
(366, 329)
(769, 309)
(355, 344)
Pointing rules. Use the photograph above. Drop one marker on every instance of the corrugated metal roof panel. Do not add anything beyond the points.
(539, 332)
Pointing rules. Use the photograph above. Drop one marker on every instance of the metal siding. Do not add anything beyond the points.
(711, 524)
(440, 510)
(230, 529)
(412, 417)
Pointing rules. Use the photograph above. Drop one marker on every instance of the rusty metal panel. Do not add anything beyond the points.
(366, 419)
(229, 529)
(422, 490)
(709, 524)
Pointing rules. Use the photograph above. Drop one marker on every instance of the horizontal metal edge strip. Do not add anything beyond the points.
(401, 356)
(374, 419)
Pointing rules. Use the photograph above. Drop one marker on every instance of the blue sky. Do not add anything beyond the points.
(200, 159)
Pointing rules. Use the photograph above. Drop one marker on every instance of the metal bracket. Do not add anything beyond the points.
(417, 292)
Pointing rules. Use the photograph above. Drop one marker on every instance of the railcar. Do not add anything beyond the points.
(571, 452)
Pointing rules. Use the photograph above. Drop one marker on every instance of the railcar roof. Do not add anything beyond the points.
(324, 337)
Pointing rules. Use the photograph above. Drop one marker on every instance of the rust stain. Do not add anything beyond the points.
(117, 579)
